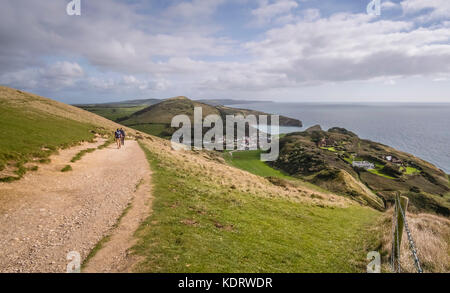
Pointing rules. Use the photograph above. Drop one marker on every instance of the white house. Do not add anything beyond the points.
(363, 165)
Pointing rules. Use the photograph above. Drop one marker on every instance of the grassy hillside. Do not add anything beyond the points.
(113, 113)
(33, 137)
(160, 130)
(221, 102)
(162, 113)
(325, 158)
(34, 127)
(116, 110)
(123, 104)
(156, 118)
(250, 161)
(209, 217)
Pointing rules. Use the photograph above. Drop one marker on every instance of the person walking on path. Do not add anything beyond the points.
(117, 135)
(122, 136)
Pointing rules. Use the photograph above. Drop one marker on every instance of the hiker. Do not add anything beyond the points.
(122, 136)
(117, 135)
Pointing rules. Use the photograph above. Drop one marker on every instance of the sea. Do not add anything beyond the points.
(419, 129)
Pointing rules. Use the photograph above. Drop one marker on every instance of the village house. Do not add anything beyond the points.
(363, 165)
(396, 161)
(393, 160)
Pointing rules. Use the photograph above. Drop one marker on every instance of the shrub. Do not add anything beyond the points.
(67, 168)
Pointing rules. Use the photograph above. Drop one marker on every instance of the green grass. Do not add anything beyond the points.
(67, 168)
(198, 226)
(378, 167)
(251, 161)
(95, 250)
(45, 161)
(106, 238)
(113, 113)
(106, 144)
(411, 171)
(80, 155)
(152, 129)
(27, 135)
(348, 160)
(379, 172)
(33, 168)
(331, 149)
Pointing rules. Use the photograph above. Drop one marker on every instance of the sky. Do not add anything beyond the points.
(276, 50)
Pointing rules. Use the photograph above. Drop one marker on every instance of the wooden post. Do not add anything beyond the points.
(403, 201)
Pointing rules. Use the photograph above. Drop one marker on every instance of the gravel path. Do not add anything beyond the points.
(49, 213)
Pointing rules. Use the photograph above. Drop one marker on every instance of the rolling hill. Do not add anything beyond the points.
(154, 116)
(156, 119)
(162, 113)
(36, 127)
(223, 102)
(122, 104)
(326, 158)
(116, 110)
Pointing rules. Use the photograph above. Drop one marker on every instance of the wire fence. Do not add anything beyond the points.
(398, 222)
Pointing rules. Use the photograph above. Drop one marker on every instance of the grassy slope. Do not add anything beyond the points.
(250, 161)
(34, 127)
(162, 113)
(27, 133)
(152, 129)
(113, 113)
(224, 224)
(156, 119)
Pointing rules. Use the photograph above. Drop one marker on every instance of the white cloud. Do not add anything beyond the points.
(55, 76)
(348, 47)
(178, 50)
(440, 9)
(311, 14)
(389, 5)
(113, 36)
(266, 12)
(195, 9)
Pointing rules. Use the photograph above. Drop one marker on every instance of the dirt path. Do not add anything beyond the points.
(114, 256)
(49, 213)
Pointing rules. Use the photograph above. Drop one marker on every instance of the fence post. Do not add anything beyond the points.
(403, 202)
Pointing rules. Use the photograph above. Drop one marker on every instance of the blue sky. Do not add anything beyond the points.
(278, 50)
